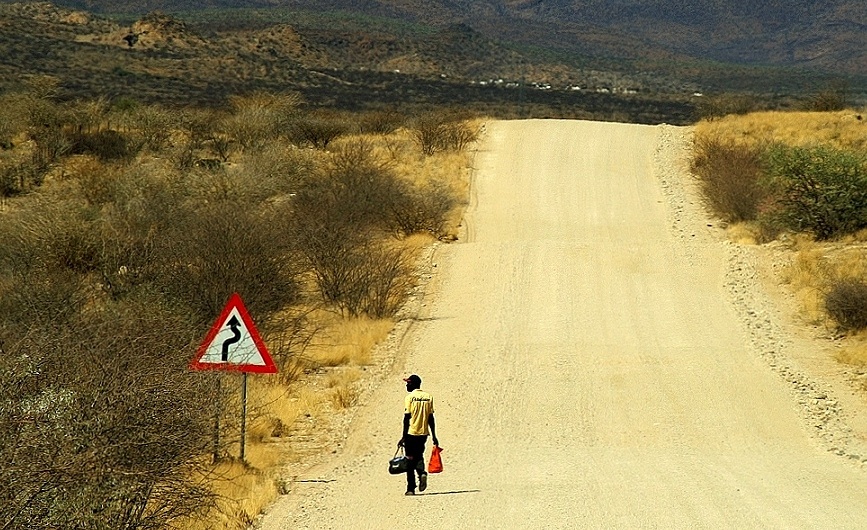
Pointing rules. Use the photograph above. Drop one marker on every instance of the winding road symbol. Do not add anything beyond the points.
(233, 343)
(236, 337)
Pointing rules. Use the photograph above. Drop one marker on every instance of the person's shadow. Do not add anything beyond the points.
(449, 492)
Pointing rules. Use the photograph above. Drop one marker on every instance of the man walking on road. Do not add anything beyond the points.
(418, 422)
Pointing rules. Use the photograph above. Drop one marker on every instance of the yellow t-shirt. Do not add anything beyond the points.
(419, 405)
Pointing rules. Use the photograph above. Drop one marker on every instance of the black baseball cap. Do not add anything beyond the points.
(413, 379)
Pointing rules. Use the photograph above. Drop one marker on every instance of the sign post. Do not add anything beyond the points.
(233, 344)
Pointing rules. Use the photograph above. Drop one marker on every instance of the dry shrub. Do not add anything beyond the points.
(291, 332)
(834, 97)
(317, 129)
(435, 132)
(226, 247)
(58, 232)
(259, 118)
(98, 181)
(846, 303)
(729, 176)
(277, 169)
(381, 122)
(102, 413)
(150, 126)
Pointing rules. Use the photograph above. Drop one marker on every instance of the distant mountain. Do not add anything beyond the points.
(640, 61)
(827, 35)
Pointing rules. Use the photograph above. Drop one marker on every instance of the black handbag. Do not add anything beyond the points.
(399, 463)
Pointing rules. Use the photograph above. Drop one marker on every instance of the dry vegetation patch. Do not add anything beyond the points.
(126, 228)
(800, 177)
(842, 129)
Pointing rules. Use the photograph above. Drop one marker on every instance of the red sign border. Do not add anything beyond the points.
(234, 302)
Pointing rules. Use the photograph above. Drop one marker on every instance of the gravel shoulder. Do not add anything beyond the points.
(600, 356)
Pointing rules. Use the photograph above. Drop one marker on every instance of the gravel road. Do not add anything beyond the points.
(600, 357)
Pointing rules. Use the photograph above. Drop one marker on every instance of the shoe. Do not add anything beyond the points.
(409, 493)
(422, 482)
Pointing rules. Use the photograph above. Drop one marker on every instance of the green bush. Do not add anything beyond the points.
(729, 176)
(818, 189)
(846, 304)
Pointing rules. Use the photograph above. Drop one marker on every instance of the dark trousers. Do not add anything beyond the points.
(414, 447)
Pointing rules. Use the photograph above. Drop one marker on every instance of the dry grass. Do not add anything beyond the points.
(341, 387)
(347, 341)
(841, 129)
(746, 233)
(808, 276)
(243, 493)
(818, 266)
(854, 352)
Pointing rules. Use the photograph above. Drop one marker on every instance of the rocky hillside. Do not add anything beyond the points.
(336, 62)
(827, 35)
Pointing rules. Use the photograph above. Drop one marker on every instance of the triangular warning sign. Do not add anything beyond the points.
(234, 343)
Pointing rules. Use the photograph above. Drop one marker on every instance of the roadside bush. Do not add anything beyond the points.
(434, 133)
(424, 209)
(358, 192)
(102, 426)
(818, 189)
(846, 304)
(352, 271)
(729, 178)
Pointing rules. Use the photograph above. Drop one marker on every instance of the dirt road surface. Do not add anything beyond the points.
(600, 357)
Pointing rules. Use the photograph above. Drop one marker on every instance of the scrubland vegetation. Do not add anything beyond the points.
(799, 178)
(125, 227)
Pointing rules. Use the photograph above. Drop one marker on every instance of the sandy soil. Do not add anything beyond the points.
(601, 357)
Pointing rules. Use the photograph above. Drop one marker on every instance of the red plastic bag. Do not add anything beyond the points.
(436, 462)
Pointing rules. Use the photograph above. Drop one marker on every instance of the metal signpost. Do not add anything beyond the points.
(233, 344)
